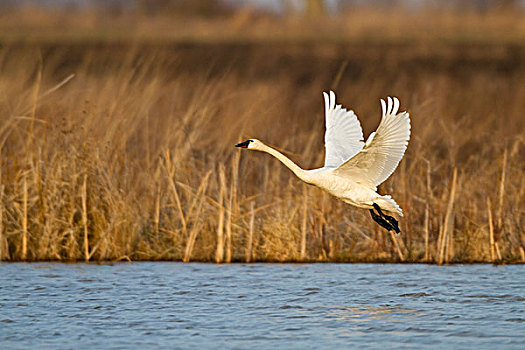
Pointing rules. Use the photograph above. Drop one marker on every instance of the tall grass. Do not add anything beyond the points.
(132, 157)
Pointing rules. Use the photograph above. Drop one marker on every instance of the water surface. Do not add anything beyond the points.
(261, 306)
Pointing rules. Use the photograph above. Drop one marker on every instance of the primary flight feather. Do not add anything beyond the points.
(353, 168)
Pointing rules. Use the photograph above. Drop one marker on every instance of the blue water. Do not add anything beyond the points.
(261, 306)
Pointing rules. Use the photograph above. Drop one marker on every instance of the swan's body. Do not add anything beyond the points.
(353, 169)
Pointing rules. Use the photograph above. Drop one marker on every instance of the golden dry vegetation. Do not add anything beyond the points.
(123, 149)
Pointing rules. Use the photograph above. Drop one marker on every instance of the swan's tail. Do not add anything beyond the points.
(389, 204)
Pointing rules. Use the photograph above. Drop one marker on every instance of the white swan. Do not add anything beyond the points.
(353, 169)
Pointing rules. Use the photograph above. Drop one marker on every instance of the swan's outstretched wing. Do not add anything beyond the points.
(383, 150)
(343, 137)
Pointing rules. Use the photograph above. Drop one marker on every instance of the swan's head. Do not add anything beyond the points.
(253, 144)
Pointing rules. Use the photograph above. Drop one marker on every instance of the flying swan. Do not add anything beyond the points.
(353, 168)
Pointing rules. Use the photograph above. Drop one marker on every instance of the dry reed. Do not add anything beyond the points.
(133, 158)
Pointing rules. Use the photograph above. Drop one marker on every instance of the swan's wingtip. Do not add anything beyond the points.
(383, 106)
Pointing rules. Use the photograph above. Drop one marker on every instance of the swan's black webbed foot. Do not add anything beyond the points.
(387, 221)
(380, 220)
(393, 222)
(378, 208)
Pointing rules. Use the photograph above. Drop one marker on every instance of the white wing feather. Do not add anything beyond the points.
(383, 150)
(343, 137)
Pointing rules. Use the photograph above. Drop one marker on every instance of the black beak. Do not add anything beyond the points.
(243, 144)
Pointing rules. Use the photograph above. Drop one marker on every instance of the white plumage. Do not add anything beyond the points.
(383, 150)
(343, 137)
(353, 169)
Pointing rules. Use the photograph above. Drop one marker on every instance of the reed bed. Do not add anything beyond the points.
(126, 152)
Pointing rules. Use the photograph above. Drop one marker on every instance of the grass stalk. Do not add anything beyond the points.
(491, 231)
(396, 245)
(450, 208)
(85, 218)
(449, 254)
(24, 220)
(251, 225)
(232, 205)
(156, 218)
(219, 254)
(502, 189)
(170, 168)
(426, 224)
(228, 240)
(498, 252)
(501, 204)
(303, 222)
(196, 218)
(439, 241)
(427, 212)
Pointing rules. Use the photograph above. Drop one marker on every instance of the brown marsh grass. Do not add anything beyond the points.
(125, 152)
(361, 23)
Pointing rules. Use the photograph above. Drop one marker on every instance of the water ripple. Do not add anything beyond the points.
(263, 306)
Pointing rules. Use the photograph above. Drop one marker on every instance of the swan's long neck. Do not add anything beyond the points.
(300, 173)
